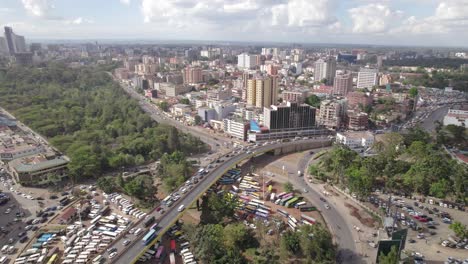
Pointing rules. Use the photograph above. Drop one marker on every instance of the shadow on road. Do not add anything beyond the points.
(348, 256)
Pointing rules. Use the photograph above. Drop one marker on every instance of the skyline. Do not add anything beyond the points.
(359, 22)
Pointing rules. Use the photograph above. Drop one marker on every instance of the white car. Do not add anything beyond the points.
(126, 242)
(326, 206)
(112, 255)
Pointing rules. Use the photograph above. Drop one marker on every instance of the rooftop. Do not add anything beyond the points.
(356, 134)
(37, 162)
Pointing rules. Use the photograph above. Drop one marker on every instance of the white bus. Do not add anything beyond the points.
(97, 259)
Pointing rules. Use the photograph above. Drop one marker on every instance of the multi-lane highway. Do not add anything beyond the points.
(132, 252)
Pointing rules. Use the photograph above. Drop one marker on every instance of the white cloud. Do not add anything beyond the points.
(79, 21)
(452, 10)
(309, 13)
(125, 2)
(39, 8)
(450, 16)
(373, 18)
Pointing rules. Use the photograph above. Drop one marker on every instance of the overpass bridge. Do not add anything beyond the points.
(136, 249)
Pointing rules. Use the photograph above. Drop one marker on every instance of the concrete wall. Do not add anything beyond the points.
(301, 146)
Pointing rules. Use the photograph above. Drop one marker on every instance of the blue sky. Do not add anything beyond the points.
(391, 22)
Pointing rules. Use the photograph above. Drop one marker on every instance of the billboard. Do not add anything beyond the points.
(254, 126)
(385, 246)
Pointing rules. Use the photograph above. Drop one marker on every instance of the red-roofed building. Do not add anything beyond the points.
(68, 216)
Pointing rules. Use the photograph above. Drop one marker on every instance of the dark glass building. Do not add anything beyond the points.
(291, 116)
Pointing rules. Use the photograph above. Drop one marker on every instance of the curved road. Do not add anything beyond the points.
(132, 252)
(338, 226)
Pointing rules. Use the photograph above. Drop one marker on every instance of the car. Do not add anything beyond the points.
(53, 197)
(158, 209)
(21, 234)
(28, 227)
(7, 211)
(34, 228)
(326, 206)
(111, 250)
(23, 239)
(126, 242)
(322, 199)
(305, 190)
(412, 241)
(112, 255)
(421, 236)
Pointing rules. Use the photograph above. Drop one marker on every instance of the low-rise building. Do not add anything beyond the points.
(458, 117)
(180, 109)
(39, 169)
(356, 140)
(357, 120)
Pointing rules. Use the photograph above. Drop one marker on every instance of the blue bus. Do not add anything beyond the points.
(149, 237)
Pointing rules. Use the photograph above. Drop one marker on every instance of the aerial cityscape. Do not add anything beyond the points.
(267, 132)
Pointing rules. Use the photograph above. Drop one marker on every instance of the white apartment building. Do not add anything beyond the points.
(356, 140)
(246, 61)
(367, 78)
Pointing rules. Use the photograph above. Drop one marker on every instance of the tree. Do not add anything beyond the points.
(106, 184)
(288, 187)
(391, 258)
(313, 100)
(238, 237)
(459, 229)
(217, 209)
(163, 105)
(413, 92)
(198, 120)
(173, 139)
(184, 101)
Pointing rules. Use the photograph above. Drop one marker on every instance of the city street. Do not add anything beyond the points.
(337, 217)
(171, 214)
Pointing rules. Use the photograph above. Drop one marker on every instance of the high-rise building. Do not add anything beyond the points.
(325, 69)
(262, 91)
(192, 75)
(246, 61)
(15, 43)
(343, 84)
(330, 114)
(367, 78)
(289, 116)
(251, 91)
(3, 45)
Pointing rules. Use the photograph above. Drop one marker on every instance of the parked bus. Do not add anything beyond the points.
(173, 245)
(308, 219)
(110, 233)
(96, 219)
(291, 202)
(53, 259)
(283, 213)
(172, 258)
